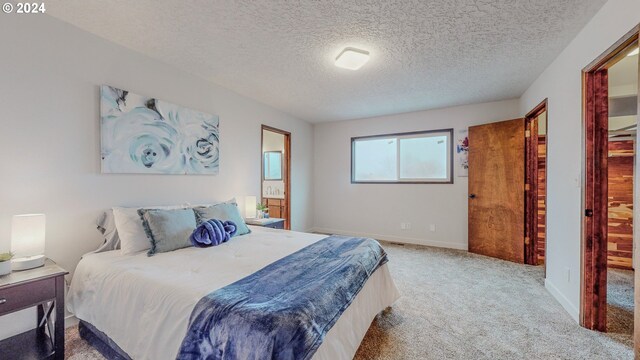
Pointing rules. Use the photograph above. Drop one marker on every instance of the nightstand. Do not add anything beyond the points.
(274, 223)
(43, 288)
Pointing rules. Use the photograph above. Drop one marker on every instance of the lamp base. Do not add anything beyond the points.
(26, 263)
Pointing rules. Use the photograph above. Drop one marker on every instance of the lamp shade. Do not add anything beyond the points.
(27, 235)
(250, 203)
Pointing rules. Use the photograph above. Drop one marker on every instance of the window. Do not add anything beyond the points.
(416, 157)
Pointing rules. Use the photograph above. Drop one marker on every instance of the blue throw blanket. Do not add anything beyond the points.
(284, 310)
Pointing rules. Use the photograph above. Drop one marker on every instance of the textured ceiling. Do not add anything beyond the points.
(424, 53)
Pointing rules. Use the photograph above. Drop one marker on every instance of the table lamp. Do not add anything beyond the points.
(27, 241)
(250, 203)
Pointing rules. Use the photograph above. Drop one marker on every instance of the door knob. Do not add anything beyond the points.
(472, 196)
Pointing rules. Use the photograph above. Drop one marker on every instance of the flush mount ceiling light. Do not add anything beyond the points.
(352, 58)
(634, 52)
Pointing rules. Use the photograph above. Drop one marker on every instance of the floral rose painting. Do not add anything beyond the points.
(150, 136)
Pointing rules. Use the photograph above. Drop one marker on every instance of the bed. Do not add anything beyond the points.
(141, 305)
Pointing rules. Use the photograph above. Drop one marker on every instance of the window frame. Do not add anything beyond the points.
(398, 137)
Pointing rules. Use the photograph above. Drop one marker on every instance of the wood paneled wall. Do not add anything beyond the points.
(542, 193)
(620, 225)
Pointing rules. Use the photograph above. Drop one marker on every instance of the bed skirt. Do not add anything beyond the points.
(101, 342)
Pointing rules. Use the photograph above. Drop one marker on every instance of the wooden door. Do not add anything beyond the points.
(531, 189)
(596, 212)
(496, 190)
(535, 185)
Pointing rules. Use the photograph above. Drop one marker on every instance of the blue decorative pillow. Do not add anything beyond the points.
(223, 212)
(168, 230)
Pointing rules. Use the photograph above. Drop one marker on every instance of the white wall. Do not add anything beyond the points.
(49, 140)
(561, 83)
(376, 210)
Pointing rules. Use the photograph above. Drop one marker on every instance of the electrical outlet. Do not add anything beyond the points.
(405, 225)
(432, 227)
(568, 274)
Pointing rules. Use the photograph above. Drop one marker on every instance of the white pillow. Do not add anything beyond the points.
(133, 238)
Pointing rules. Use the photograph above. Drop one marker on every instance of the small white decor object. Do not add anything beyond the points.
(27, 241)
(5, 263)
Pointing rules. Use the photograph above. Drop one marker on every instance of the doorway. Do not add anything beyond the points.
(610, 99)
(507, 188)
(276, 173)
(536, 184)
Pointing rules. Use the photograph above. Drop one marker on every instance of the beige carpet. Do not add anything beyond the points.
(457, 305)
(620, 304)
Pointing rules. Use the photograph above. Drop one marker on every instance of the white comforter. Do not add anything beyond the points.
(144, 303)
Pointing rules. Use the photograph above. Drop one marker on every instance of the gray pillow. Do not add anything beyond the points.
(168, 230)
(223, 212)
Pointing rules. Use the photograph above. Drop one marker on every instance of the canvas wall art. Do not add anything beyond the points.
(462, 153)
(144, 135)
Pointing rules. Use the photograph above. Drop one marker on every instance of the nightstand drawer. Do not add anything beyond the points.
(22, 296)
(276, 225)
(274, 202)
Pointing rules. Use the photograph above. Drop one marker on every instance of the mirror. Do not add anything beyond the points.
(272, 165)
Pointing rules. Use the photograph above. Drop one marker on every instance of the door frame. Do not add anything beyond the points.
(531, 179)
(286, 168)
(593, 279)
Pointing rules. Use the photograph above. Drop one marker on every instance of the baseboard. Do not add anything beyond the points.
(392, 238)
(566, 304)
(70, 321)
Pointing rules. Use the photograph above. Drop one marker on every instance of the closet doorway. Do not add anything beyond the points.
(610, 99)
(536, 185)
(276, 173)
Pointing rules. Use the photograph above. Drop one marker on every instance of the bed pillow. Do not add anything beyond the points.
(131, 232)
(226, 212)
(106, 225)
(168, 230)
